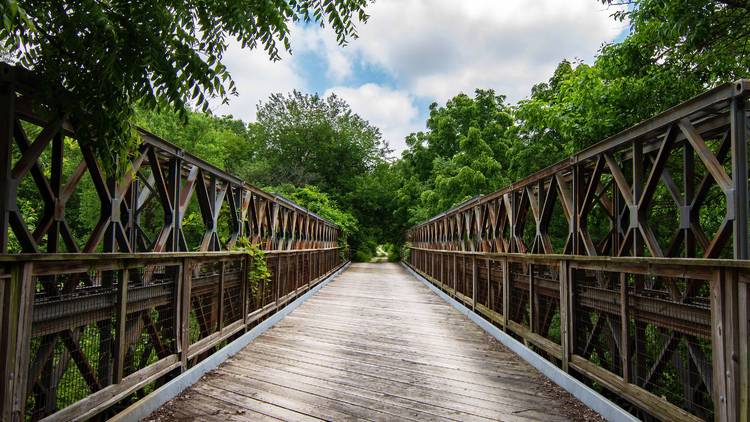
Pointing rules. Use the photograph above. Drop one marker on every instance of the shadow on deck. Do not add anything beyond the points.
(375, 344)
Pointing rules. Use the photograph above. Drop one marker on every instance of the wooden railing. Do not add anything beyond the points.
(85, 335)
(612, 322)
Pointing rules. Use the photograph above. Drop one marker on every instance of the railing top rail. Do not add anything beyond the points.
(111, 256)
(603, 260)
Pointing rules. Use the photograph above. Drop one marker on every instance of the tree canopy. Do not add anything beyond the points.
(306, 139)
(168, 53)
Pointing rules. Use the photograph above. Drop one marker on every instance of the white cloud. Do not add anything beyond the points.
(436, 48)
(390, 110)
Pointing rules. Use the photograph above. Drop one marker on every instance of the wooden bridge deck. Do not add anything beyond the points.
(374, 344)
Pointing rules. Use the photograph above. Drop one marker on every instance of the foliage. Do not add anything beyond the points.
(320, 203)
(394, 252)
(259, 276)
(463, 153)
(165, 53)
(221, 141)
(471, 171)
(475, 145)
(707, 39)
(301, 140)
(376, 208)
(317, 152)
(363, 255)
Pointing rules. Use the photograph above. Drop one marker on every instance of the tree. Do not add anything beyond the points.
(161, 52)
(464, 152)
(304, 139)
(222, 141)
(471, 171)
(706, 38)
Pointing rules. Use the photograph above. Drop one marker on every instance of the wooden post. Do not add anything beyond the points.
(184, 313)
(443, 275)
(455, 275)
(624, 328)
(463, 275)
(533, 303)
(17, 295)
(743, 333)
(474, 269)
(317, 264)
(506, 292)
(564, 315)
(725, 345)
(432, 265)
(571, 298)
(488, 290)
(297, 271)
(310, 272)
(278, 281)
(741, 242)
(288, 277)
(245, 289)
(121, 318)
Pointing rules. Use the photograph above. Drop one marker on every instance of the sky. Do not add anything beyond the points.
(411, 53)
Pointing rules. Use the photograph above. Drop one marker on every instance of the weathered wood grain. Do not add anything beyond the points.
(374, 344)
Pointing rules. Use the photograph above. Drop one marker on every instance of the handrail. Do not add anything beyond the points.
(88, 334)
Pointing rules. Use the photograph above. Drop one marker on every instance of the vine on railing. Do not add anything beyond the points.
(258, 274)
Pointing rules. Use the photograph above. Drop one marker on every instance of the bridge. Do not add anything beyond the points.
(619, 273)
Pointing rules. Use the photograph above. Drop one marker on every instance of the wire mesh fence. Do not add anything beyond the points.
(545, 300)
(495, 290)
(519, 293)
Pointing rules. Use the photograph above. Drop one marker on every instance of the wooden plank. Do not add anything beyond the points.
(377, 344)
(431, 405)
(360, 402)
(408, 383)
(254, 409)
